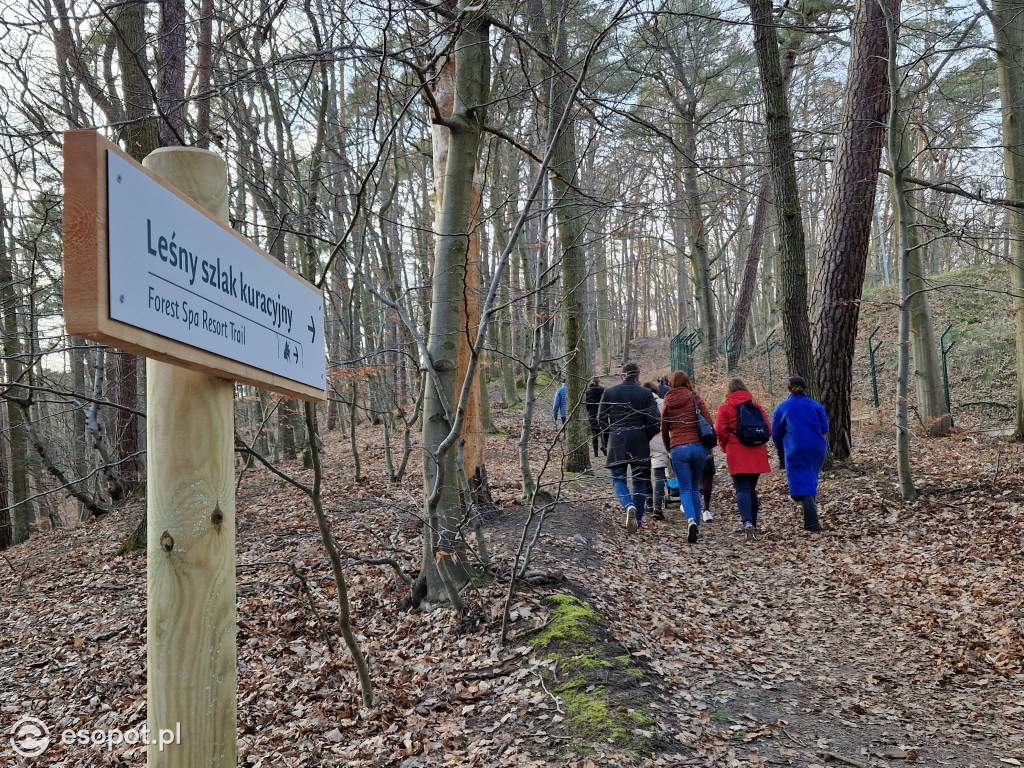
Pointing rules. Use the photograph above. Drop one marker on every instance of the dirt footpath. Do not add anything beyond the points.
(892, 638)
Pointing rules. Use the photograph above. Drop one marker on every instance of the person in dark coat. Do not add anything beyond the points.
(746, 462)
(629, 414)
(663, 387)
(799, 426)
(593, 394)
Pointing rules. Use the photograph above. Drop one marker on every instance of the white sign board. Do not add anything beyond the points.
(179, 274)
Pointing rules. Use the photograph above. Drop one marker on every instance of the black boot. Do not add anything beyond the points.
(810, 508)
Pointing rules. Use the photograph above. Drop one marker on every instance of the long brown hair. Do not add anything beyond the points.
(680, 379)
(737, 385)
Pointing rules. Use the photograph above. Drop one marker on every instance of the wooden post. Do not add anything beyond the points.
(192, 664)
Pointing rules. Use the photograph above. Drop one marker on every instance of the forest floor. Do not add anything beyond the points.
(894, 637)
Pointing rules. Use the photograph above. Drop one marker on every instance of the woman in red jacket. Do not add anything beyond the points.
(737, 417)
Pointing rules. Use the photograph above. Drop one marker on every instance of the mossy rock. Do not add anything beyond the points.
(598, 683)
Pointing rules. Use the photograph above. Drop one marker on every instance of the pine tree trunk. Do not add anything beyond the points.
(741, 314)
(848, 218)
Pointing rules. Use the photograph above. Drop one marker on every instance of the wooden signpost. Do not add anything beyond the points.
(151, 267)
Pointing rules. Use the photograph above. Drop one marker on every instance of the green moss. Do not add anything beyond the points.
(570, 623)
(597, 683)
(592, 717)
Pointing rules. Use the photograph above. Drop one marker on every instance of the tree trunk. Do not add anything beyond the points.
(896, 146)
(568, 212)
(22, 511)
(601, 280)
(793, 266)
(443, 571)
(505, 347)
(170, 79)
(1008, 30)
(741, 313)
(931, 401)
(848, 216)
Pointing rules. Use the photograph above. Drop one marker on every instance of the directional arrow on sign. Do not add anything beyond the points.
(312, 329)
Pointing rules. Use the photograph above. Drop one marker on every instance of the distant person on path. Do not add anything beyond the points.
(594, 394)
(707, 483)
(743, 432)
(629, 415)
(660, 462)
(681, 438)
(663, 387)
(559, 411)
(799, 426)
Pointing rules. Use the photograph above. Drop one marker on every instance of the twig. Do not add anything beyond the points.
(21, 576)
(841, 759)
(312, 604)
(792, 738)
(558, 706)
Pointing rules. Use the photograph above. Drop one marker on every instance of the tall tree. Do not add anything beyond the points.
(782, 165)
(896, 150)
(21, 509)
(1007, 18)
(842, 261)
(565, 201)
(443, 572)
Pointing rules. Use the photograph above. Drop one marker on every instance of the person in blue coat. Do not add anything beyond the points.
(799, 426)
(559, 411)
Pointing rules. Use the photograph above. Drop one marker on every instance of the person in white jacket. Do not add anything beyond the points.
(661, 465)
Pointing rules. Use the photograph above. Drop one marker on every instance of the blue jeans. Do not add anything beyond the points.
(688, 462)
(746, 496)
(641, 472)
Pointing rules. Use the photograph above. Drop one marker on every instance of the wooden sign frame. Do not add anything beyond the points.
(86, 273)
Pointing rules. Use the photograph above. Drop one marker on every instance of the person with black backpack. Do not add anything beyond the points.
(743, 434)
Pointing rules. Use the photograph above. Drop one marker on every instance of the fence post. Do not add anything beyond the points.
(768, 353)
(945, 372)
(872, 348)
(730, 345)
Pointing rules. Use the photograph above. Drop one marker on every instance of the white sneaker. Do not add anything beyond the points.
(707, 515)
(631, 519)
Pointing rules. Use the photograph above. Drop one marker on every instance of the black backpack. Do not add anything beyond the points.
(751, 427)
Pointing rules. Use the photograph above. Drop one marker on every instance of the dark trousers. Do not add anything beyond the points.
(746, 496)
(810, 508)
(598, 434)
(707, 482)
(658, 499)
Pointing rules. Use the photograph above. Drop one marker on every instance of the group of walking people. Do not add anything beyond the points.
(650, 428)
